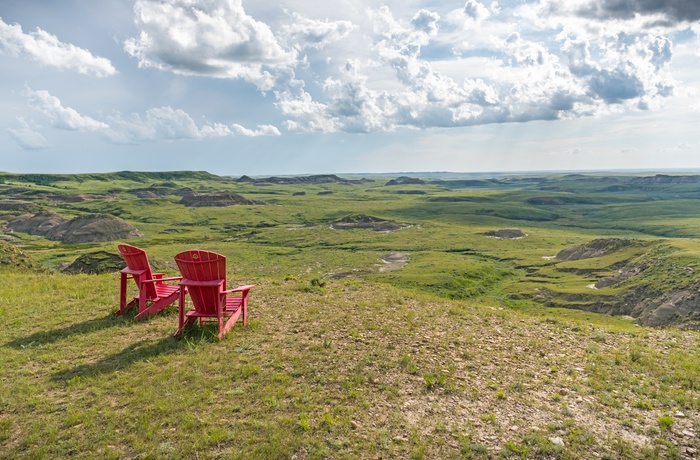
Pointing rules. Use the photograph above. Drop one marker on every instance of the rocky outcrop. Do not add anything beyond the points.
(546, 201)
(18, 205)
(218, 199)
(12, 257)
(38, 224)
(84, 229)
(624, 274)
(596, 248)
(290, 180)
(405, 180)
(96, 263)
(156, 191)
(89, 229)
(665, 179)
(680, 308)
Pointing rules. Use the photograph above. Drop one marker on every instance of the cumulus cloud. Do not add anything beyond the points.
(61, 117)
(306, 115)
(560, 66)
(476, 10)
(168, 124)
(213, 38)
(302, 32)
(354, 106)
(157, 124)
(48, 50)
(27, 137)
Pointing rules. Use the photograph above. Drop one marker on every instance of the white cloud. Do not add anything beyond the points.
(27, 137)
(306, 114)
(263, 130)
(355, 106)
(158, 124)
(61, 117)
(475, 10)
(48, 50)
(303, 32)
(168, 124)
(213, 38)
(560, 67)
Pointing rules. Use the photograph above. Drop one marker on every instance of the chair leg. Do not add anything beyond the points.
(122, 294)
(157, 306)
(220, 322)
(244, 307)
(230, 322)
(180, 313)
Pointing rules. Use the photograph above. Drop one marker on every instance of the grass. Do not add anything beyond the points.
(453, 356)
(352, 372)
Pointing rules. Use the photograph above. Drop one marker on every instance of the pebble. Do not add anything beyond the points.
(557, 441)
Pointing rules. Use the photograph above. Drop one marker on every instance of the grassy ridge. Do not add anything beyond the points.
(349, 370)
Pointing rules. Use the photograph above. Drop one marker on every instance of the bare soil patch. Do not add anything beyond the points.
(394, 261)
(506, 233)
(370, 222)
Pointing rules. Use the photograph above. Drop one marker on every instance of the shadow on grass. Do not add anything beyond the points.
(139, 351)
(86, 327)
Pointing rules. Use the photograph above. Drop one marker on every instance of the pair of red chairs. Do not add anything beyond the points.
(203, 279)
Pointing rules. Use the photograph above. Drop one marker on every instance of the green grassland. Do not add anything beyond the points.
(479, 347)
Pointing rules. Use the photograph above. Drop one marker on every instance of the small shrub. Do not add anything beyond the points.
(646, 405)
(599, 337)
(318, 282)
(665, 422)
(304, 422)
(430, 380)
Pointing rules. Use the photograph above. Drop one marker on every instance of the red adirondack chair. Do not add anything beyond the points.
(204, 276)
(150, 285)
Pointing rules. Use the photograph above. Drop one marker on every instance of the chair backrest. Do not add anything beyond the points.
(137, 265)
(197, 265)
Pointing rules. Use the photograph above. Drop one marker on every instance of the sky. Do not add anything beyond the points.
(261, 87)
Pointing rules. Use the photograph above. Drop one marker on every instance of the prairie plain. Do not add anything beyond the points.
(420, 316)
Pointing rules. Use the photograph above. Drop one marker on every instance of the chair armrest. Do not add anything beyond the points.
(175, 278)
(129, 271)
(245, 288)
(188, 282)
